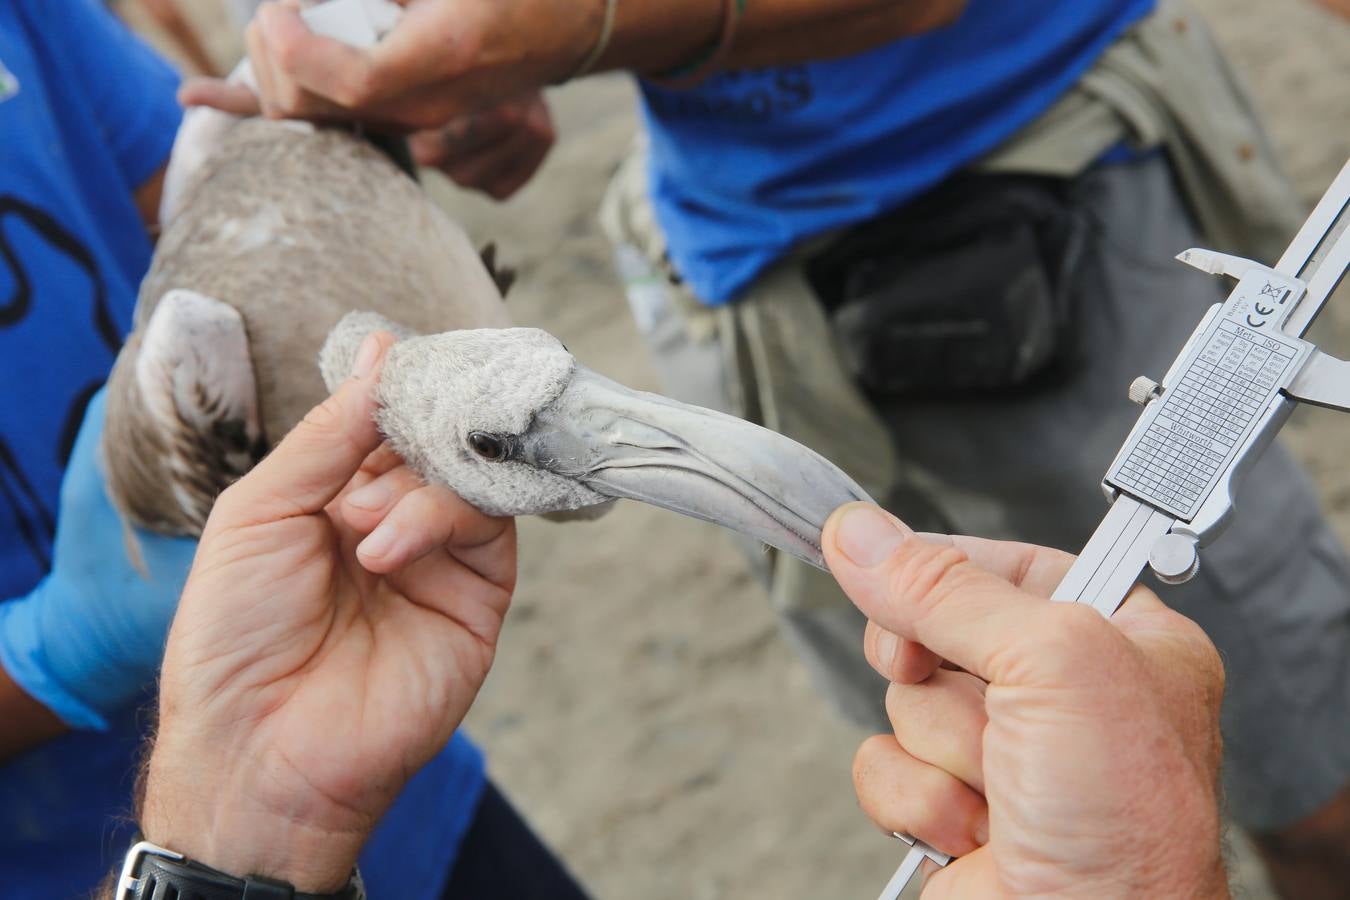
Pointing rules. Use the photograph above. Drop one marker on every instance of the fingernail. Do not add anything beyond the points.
(867, 536)
(982, 831)
(373, 496)
(366, 356)
(886, 647)
(379, 542)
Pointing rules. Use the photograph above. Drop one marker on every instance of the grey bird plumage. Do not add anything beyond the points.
(279, 233)
(289, 227)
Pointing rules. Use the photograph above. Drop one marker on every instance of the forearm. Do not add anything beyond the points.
(27, 722)
(169, 17)
(656, 37)
(147, 199)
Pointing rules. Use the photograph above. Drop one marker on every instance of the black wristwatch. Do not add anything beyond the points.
(151, 872)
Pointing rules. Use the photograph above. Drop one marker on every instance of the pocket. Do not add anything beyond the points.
(965, 290)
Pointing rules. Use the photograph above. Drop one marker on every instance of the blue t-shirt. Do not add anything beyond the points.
(753, 162)
(87, 113)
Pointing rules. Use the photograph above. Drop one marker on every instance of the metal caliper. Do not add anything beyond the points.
(1230, 390)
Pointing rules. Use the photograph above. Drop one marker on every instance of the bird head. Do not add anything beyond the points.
(510, 421)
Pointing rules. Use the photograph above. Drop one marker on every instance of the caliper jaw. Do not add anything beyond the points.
(1212, 262)
(1324, 381)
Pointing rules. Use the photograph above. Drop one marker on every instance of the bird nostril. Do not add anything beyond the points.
(489, 446)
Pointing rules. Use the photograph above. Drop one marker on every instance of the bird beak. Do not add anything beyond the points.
(624, 443)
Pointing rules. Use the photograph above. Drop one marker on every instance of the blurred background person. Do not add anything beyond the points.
(88, 117)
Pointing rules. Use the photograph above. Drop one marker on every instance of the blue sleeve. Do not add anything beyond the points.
(130, 90)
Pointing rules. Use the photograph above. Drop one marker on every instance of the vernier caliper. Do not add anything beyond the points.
(1230, 390)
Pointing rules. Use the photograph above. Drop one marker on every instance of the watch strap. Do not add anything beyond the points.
(151, 872)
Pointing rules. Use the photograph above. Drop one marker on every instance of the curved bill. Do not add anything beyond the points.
(705, 464)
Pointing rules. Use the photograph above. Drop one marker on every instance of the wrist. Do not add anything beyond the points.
(1206, 880)
(542, 42)
(227, 819)
(1191, 863)
(240, 843)
(659, 37)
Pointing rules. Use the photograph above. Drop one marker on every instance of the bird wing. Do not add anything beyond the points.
(183, 416)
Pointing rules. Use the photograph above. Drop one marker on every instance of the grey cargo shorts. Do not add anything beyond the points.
(1273, 592)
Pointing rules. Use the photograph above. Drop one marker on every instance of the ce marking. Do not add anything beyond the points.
(1278, 293)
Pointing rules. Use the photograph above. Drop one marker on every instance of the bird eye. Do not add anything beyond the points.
(489, 446)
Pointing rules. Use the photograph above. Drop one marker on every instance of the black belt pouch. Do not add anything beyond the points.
(966, 289)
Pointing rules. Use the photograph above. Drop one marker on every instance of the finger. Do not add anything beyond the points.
(495, 558)
(509, 181)
(492, 127)
(933, 594)
(288, 96)
(973, 875)
(1036, 570)
(428, 147)
(941, 722)
(900, 793)
(423, 50)
(235, 99)
(459, 139)
(260, 59)
(464, 166)
(325, 68)
(315, 461)
(365, 506)
(501, 170)
(418, 521)
(896, 659)
(452, 587)
(1039, 570)
(384, 459)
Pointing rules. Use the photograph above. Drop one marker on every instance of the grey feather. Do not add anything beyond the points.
(338, 354)
(435, 390)
(293, 228)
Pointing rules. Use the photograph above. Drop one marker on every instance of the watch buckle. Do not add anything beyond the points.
(128, 881)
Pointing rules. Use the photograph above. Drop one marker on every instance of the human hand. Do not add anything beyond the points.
(496, 151)
(444, 59)
(312, 669)
(1057, 753)
(88, 638)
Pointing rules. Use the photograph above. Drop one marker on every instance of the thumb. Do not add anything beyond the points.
(231, 97)
(325, 66)
(933, 594)
(315, 461)
(973, 875)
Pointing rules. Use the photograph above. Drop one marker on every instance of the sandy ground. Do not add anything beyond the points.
(643, 710)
